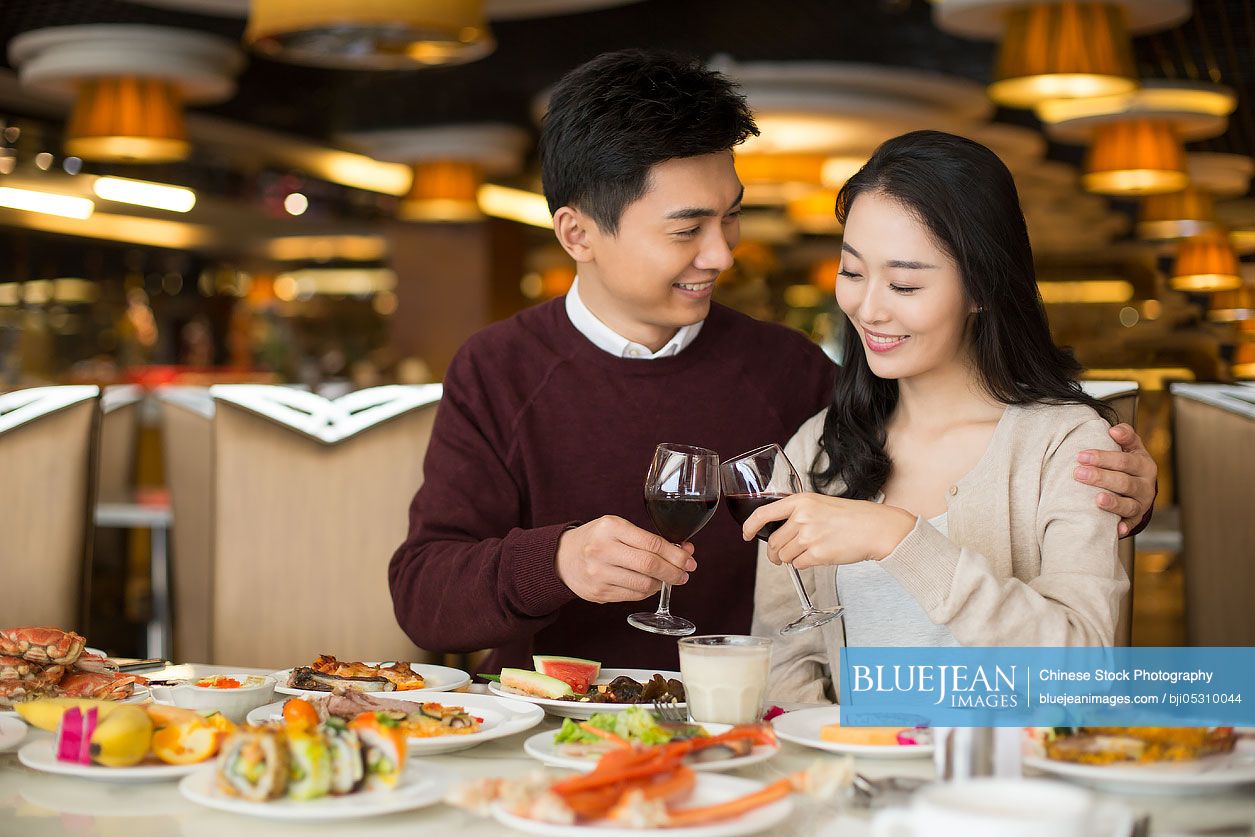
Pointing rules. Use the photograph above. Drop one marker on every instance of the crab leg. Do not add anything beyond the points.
(733, 807)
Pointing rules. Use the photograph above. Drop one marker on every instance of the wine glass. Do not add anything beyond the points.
(755, 479)
(681, 493)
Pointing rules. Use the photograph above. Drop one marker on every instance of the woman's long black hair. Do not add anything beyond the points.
(966, 197)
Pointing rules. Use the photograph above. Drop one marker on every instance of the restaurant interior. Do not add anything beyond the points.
(242, 240)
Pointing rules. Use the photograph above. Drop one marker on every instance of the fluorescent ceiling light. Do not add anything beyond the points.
(144, 193)
(294, 248)
(515, 205)
(46, 203)
(1086, 290)
(334, 281)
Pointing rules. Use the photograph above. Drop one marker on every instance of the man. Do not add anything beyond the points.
(529, 532)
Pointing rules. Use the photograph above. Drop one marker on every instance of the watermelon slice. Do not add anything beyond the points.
(578, 674)
(534, 683)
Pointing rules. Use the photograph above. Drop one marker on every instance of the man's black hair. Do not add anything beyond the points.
(611, 120)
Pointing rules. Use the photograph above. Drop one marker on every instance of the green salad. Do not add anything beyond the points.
(633, 724)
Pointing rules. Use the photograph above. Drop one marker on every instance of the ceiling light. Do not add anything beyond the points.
(1205, 264)
(1175, 215)
(515, 205)
(1233, 306)
(1063, 51)
(1135, 157)
(444, 190)
(1086, 291)
(130, 84)
(145, 193)
(375, 35)
(46, 203)
(296, 203)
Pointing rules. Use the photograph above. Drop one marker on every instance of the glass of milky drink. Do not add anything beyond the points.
(725, 677)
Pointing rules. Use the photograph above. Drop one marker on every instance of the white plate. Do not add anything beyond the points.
(711, 789)
(420, 786)
(542, 748)
(12, 730)
(438, 679)
(501, 718)
(1210, 774)
(584, 711)
(802, 727)
(39, 755)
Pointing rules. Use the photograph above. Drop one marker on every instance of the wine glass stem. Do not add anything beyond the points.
(800, 588)
(664, 600)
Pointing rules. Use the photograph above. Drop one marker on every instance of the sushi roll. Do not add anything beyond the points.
(384, 743)
(348, 763)
(309, 769)
(253, 764)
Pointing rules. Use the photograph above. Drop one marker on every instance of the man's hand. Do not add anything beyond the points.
(1128, 477)
(610, 560)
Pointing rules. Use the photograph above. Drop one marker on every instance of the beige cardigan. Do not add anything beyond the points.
(1029, 558)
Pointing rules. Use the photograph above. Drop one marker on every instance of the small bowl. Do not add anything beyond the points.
(233, 703)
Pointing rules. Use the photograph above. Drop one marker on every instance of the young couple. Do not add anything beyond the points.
(961, 488)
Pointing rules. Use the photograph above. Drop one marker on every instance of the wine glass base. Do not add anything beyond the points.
(811, 620)
(662, 623)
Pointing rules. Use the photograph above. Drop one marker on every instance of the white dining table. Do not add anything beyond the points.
(33, 804)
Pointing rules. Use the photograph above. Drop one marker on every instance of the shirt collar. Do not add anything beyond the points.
(608, 340)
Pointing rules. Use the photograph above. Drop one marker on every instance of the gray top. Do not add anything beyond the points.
(880, 612)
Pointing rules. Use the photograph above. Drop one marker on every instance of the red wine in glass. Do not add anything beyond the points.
(743, 505)
(681, 493)
(678, 517)
(756, 479)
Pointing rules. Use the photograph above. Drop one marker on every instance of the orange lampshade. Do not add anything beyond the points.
(370, 34)
(1135, 157)
(556, 280)
(1206, 263)
(128, 120)
(815, 213)
(1244, 358)
(1063, 51)
(1175, 215)
(824, 275)
(780, 168)
(445, 190)
(1233, 306)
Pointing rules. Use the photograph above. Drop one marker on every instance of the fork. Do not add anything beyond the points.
(670, 713)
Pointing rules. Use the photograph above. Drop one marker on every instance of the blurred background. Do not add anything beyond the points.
(334, 194)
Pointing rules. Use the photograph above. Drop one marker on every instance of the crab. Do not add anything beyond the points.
(32, 674)
(644, 787)
(102, 685)
(97, 663)
(42, 645)
(16, 691)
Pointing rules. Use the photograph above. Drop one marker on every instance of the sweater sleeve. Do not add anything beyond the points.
(1075, 600)
(469, 575)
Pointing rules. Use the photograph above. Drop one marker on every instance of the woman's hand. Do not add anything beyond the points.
(819, 529)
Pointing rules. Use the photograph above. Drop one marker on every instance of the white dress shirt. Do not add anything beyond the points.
(609, 340)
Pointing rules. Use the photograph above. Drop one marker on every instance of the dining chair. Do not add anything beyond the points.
(187, 448)
(307, 500)
(1214, 428)
(47, 486)
(1121, 396)
(119, 434)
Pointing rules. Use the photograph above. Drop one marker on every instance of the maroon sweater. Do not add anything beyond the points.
(540, 430)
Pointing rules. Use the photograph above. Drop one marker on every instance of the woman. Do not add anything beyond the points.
(941, 507)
